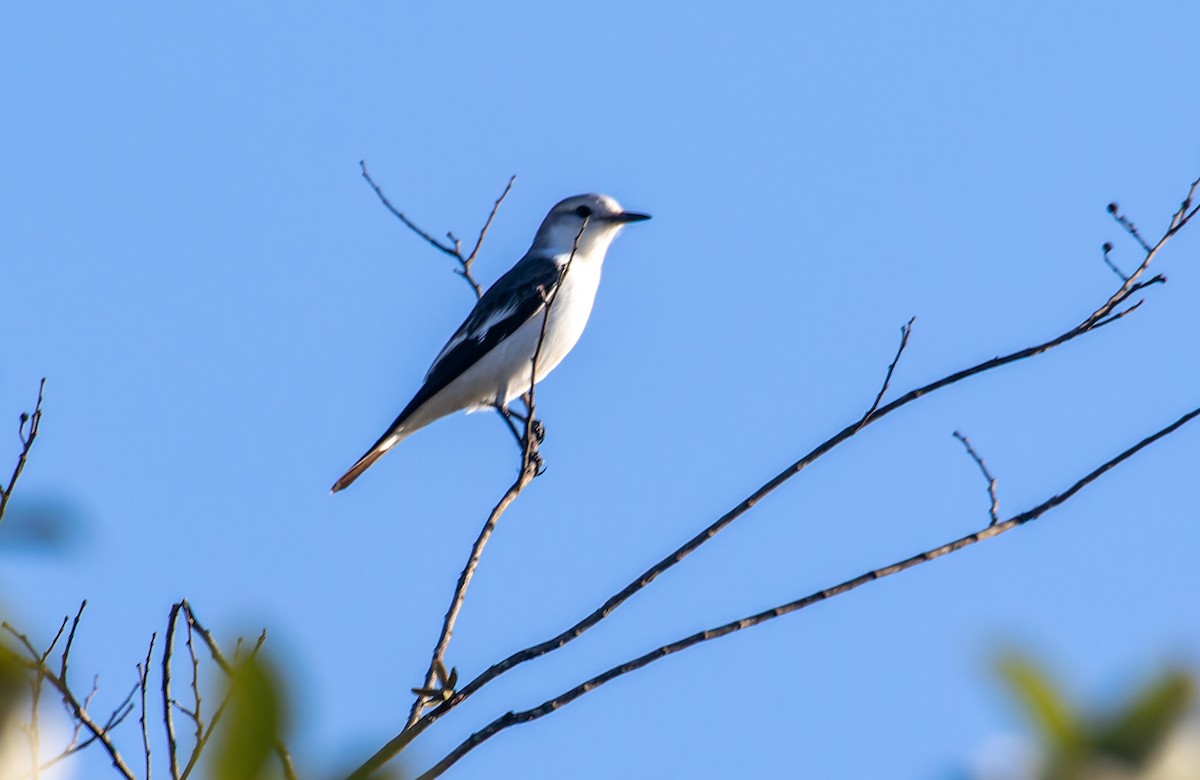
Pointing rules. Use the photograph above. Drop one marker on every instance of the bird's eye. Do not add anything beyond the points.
(584, 212)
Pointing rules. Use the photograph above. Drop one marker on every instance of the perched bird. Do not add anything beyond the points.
(487, 362)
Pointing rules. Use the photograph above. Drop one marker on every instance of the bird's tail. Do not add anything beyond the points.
(391, 439)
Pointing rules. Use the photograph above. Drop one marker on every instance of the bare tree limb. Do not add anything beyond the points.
(27, 439)
(1110, 311)
(992, 530)
(75, 707)
(454, 249)
(905, 332)
(204, 736)
(466, 264)
(143, 680)
(168, 718)
(115, 718)
(994, 508)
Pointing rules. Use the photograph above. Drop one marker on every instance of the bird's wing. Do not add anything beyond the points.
(515, 297)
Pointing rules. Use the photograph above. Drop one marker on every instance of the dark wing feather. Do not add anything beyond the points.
(509, 303)
(515, 297)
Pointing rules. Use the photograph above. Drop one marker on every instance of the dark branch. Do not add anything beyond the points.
(77, 709)
(454, 248)
(994, 508)
(168, 718)
(27, 438)
(1111, 265)
(905, 332)
(466, 264)
(438, 245)
(995, 529)
(1106, 314)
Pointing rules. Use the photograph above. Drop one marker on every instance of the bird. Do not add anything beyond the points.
(488, 361)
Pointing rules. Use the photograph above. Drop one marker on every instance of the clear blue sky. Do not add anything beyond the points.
(227, 318)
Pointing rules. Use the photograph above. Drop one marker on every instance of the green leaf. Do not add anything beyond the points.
(1045, 706)
(1133, 734)
(253, 722)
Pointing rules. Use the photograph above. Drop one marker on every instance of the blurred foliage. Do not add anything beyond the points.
(1121, 742)
(254, 725)
(14, 686)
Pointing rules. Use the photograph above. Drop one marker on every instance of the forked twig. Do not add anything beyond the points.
(454, 249)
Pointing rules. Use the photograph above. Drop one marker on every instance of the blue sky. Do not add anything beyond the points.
(227, 318)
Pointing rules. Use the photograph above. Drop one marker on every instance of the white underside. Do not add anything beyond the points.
(503, 374)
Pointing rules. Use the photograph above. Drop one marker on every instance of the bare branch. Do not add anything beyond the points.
(27, 440)
(168, 718)
(994, 508)
(438, 245)
(211, 643)
(57, 636)
(205, 735)
(1104, 315)
(143, 680)
(905, 332)
(70, 641)
(1183, 215)
(285, 761)
(994, 529)
(466, 264)
(196, 698)
(1130, 228)
(1111, 265)
(78, 710)
(454, 248)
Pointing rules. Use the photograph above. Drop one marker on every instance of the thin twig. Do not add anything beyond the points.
(551, 705)
(1130, 228)
(115, 718)
(905, 332)
(454, 249)
(1182, 216)
(994, 508)
(285, 761)
(226, 667)
(208, 732)
(168, 718)
(449, 250)
(143, 680)
(466, 264)
(27, 439)
(195, 713)
(1111, 265)
(70, 640)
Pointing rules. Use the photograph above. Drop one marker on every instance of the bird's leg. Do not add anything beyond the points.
(539, 430)
(507, 415)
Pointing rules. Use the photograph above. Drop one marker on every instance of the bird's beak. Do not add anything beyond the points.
(628, 216)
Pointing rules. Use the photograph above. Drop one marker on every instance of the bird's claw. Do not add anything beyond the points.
(538, 463)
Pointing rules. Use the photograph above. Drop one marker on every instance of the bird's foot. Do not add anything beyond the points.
(537, 463)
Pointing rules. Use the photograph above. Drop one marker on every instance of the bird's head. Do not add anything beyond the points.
(593, 220)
